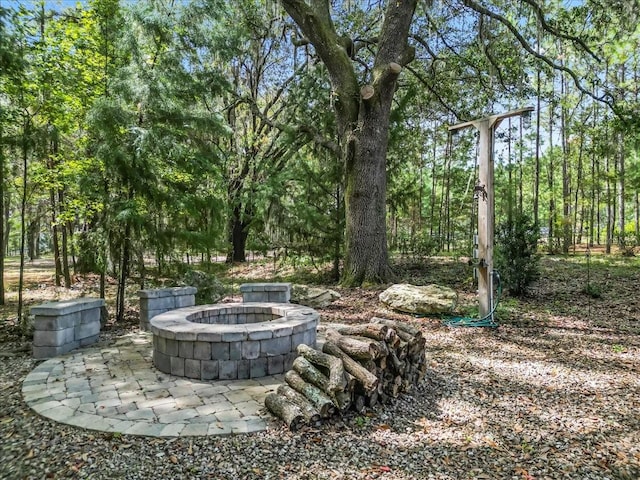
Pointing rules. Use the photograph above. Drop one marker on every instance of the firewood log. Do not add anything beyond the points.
(397, 364)
(372, 399)
(359, 403)
(311, 414)
(317, 397)
(287, 411)
(311, 374)
(357, 348)
(398, 326)
(368, 380)
(369, 330)
(334, 364)
(342, 400)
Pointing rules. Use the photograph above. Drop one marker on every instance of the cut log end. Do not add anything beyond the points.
(395, 68)
(289, 413)
(367, 92)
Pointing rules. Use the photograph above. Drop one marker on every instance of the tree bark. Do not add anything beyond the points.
(2, 229)
(238, 233)
(65, 244)
(26, 132)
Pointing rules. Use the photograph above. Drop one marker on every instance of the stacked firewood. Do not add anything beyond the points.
(359, 366)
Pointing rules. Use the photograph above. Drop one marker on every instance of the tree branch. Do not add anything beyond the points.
(545, 25)
(606, 99)
(433, 92)
(305, 130)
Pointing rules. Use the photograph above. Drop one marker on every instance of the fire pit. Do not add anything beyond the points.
(231, 341)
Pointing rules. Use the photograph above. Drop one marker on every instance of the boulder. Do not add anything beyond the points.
(427, 300)
(313, 297)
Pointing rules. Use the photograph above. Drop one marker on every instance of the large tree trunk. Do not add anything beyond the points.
(363, 126)
(65, 244)
(238, 233)
(366, 259)
(2, 229)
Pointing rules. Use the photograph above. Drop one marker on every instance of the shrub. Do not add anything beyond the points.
(516, 256)
(210, 289)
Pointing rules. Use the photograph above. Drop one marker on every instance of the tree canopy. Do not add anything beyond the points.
(314, 131)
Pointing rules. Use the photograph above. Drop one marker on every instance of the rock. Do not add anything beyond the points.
(313, 297)
(427, 299)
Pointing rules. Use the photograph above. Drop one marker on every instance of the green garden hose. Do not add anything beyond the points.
(487, 320)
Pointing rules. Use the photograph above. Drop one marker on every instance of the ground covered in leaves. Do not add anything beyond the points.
(552, 393)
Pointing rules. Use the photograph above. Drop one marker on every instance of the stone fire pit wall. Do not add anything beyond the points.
(160, 300)
(64, 326)
(231, 341)
(266, 292)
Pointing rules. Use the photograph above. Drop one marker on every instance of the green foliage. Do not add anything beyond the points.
(592, 290)
(516, 256)
(210, 289)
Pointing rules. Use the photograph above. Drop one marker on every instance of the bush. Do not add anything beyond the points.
(516, 256)
(210, 289)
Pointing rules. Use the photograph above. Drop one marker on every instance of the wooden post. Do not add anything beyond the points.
(486, 210)
(486, 204)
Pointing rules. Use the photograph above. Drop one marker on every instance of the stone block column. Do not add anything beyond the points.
(161, 300)
(60, 327)
(266, 292)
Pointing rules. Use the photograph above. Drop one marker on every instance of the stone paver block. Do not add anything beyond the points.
(185, 301)
(142, 414)
(244, 369)
(162, 361)
(84, 342)
(247, 426)
(66, 306)
(275, 364)
(250, 349)
(235, 350)
(220, 351)
(209, 369)
(238, 396)
(85, 330)
(275, 346)
(220, 429)
(146, 429)
(195, 430)
(177, 416)
(192, 368)
(188, 401)
(228, 369)
(172, 347)
(177, 366)
(202, 350)
(48, 352)
(185, 349)
(57, 323)
(90, 316)
(229, 415)
(258, 367)
(53, 338)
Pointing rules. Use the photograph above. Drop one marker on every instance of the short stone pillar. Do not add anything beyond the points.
(266, 292)
(161, 300)
(60, 327)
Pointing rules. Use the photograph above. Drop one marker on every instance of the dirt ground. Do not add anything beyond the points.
(552, 393)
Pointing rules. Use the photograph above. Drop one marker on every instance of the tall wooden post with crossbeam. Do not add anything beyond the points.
(486, 207)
